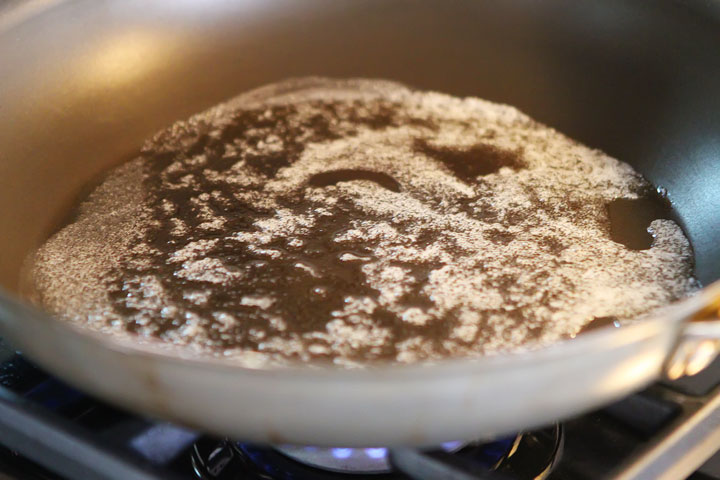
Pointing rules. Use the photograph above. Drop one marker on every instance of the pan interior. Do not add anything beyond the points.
(85, 85)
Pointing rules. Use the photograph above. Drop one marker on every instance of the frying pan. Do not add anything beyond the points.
(83, 83)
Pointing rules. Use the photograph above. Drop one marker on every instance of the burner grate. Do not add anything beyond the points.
(531, 455)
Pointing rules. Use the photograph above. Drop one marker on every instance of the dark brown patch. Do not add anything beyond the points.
(331, 178)
(630, 218)
(469, 163)
(600, 322)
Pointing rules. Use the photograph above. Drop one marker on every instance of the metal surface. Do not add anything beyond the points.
(700, 342)
(422, 466)
(533, 456)
(85, 82)
(29, 431)
(684, 447)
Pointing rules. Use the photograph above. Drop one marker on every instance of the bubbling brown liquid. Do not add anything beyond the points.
(357, 221)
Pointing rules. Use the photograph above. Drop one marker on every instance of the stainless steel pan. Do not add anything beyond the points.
(83, 83)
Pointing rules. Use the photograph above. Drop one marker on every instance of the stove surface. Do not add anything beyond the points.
(50, 431)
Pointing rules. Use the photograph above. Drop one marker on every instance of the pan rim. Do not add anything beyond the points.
(672, 316)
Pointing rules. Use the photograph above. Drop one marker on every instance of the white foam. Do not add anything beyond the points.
(476, 282)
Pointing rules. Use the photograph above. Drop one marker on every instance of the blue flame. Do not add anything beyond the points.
(376, 453)
(342, 452)
(451, 446)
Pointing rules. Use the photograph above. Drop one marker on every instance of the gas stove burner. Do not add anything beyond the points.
(528, 455)
(351, 460)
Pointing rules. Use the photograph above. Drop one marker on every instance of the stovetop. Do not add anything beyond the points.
(50, 431)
